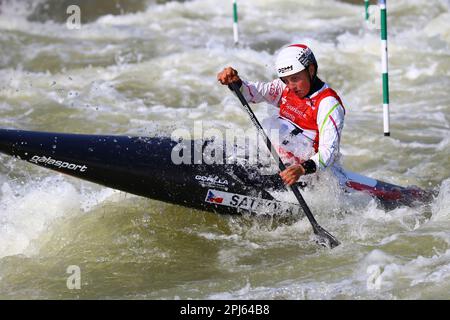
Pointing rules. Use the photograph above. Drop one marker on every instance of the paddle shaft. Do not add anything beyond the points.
(318, 230)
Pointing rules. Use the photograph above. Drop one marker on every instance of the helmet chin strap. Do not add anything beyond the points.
(315, 82)
(312, 78)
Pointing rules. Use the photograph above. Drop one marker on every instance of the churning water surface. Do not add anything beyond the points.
(149, 67)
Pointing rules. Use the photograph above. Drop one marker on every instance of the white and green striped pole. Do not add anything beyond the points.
(235, 23)
(366, 6)
(384, 66)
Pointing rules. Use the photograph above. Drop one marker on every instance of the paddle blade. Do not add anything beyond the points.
(324, 238)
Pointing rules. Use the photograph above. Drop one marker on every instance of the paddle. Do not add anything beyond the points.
(324, 237)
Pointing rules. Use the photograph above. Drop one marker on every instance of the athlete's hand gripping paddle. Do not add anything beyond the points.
(324, 237)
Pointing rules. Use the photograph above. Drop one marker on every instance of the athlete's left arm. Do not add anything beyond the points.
(330, 121)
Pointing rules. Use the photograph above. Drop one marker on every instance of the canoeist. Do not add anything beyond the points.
(311, 114)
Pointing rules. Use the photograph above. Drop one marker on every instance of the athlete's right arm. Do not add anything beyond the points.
(254, 92)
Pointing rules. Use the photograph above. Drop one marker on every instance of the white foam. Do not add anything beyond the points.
(439, 26)
(441, 206)
(28, 210)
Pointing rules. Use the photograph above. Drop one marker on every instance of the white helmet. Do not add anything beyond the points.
(293, 59)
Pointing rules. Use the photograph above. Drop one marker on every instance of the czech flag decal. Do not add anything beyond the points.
(212, 198)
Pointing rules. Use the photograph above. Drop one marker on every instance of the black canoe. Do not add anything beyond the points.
(144, 166)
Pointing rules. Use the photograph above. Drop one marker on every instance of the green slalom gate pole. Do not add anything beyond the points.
(366, 6)
(235, 23)
(384, 67)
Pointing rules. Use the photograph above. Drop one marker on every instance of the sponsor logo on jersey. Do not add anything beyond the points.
(275, 91)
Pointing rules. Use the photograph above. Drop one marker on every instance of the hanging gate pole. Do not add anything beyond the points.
(235, 23)
(384, 67)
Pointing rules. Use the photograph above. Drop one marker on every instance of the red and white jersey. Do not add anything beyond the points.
(320, 115)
